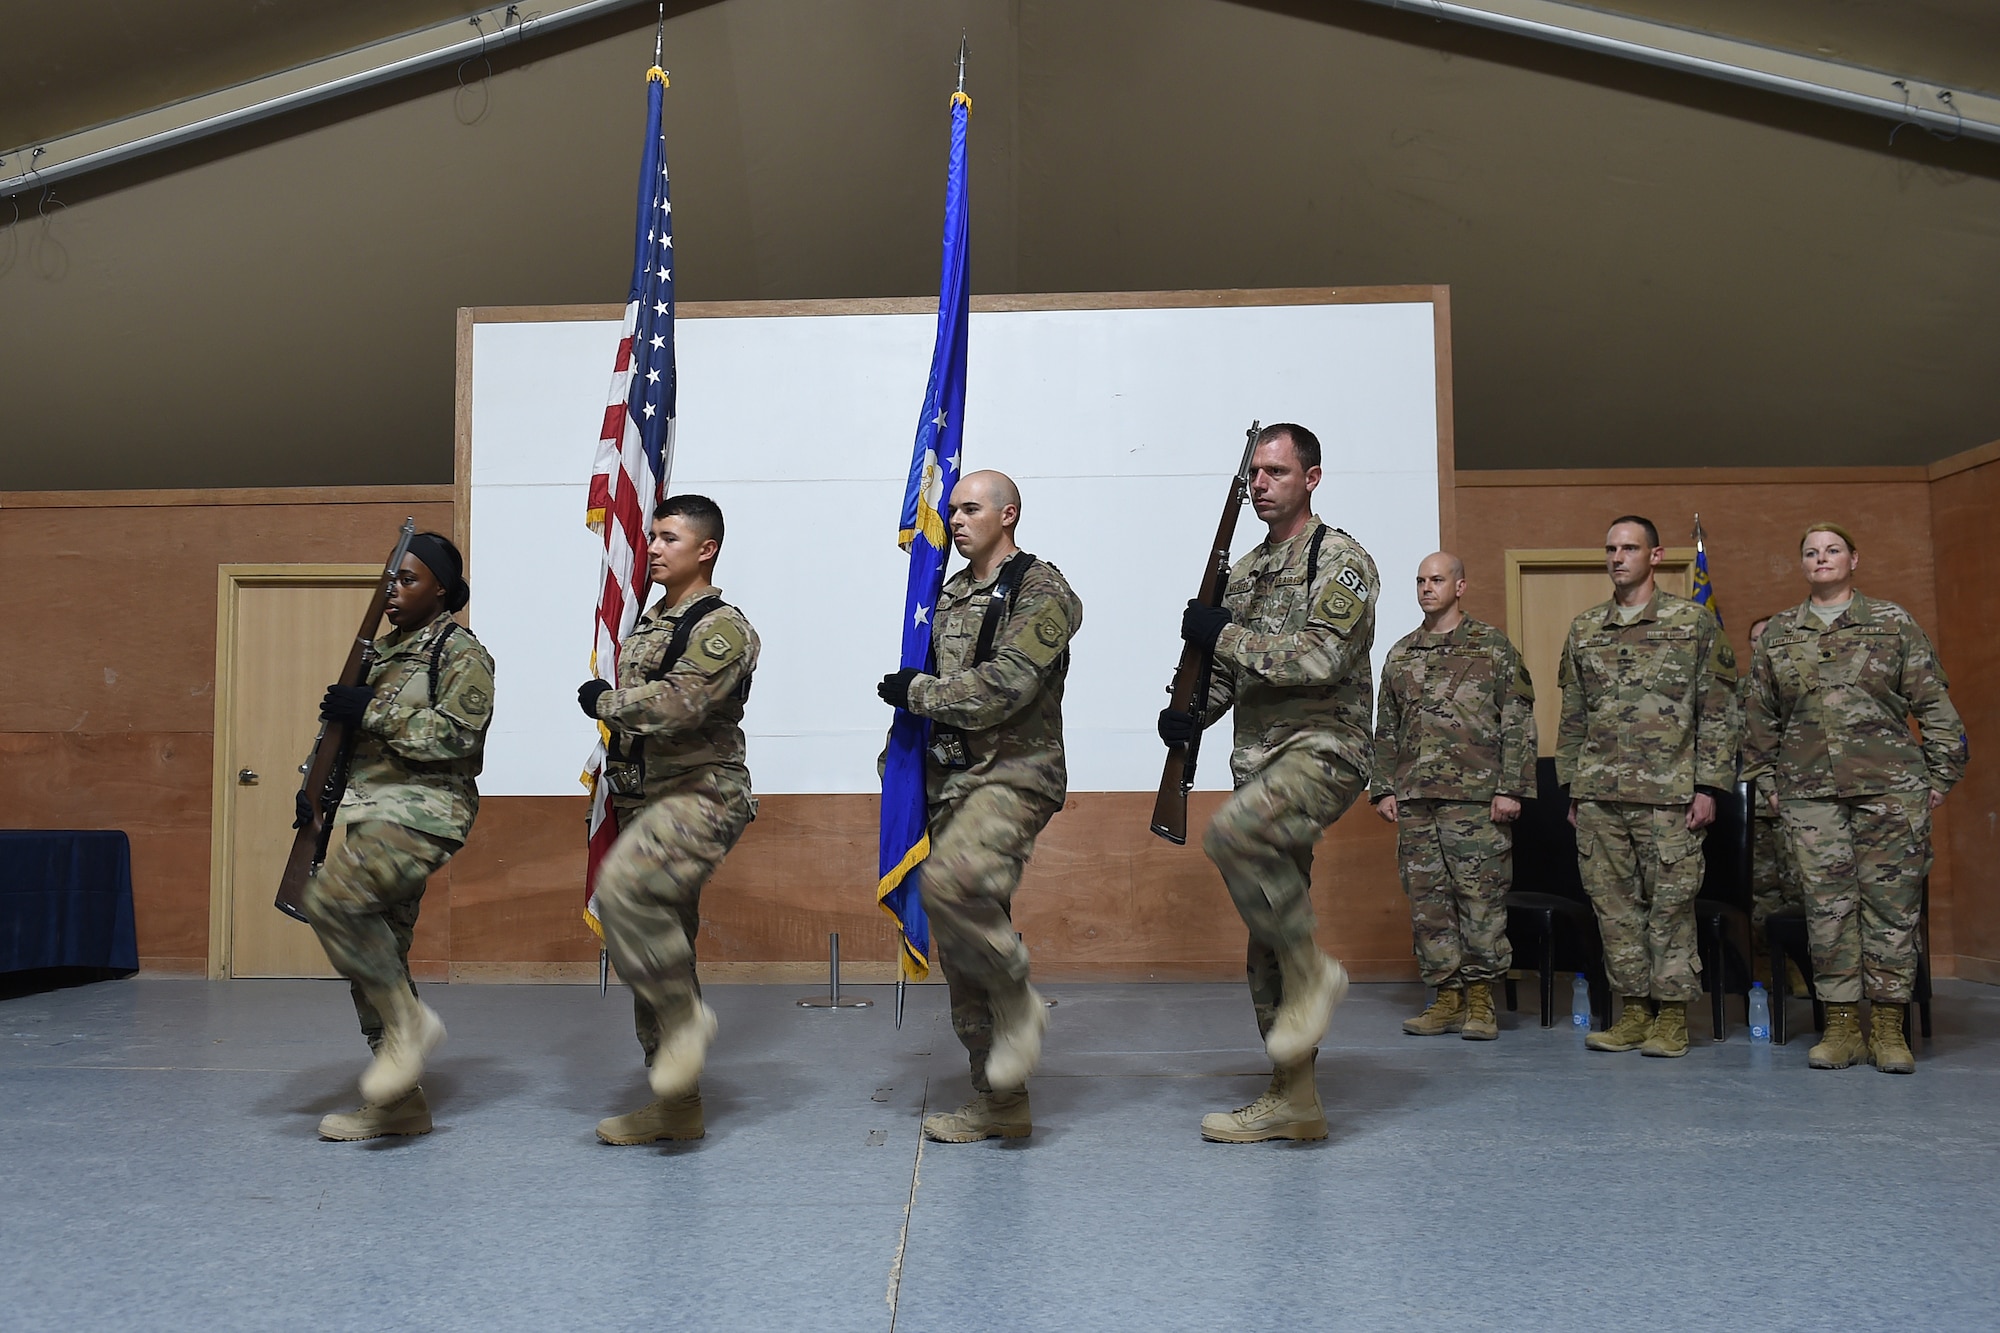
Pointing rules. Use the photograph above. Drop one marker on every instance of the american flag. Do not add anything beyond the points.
(635, 454)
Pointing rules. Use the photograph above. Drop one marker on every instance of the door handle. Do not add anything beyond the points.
(246, 777)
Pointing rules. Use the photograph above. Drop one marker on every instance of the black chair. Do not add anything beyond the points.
(1721, 907)
(1549, 917)
(1785, 937)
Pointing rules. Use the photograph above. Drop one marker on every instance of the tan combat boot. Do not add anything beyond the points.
(1017, 1042)
(677, 1064)
(1445, 1014)
(1313, 985)
(1289, 1109)
(1842, 1043)
(1889, 1049)
(1634, 1025)
(408, 1114)
(410, 1033)
(677, 1118)
(1669, 1036)
(1480, 1023)
(990, 1115)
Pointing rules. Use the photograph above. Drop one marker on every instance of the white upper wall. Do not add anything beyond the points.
(1121, 427)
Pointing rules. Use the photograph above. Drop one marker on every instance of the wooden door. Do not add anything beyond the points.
(1546, 590)
(287, 643)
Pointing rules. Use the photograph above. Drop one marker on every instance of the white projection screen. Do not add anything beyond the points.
(1121, 417)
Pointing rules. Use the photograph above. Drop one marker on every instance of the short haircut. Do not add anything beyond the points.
(704, 514)
(1304, 443)
(1833, 528)
(1652, 533)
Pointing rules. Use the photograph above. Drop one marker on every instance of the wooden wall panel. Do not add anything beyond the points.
(154, 786)
(1102, 897)
(110, 708)
(1964, 507)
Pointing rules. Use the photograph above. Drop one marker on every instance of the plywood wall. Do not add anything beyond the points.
(1964, 508)
(107, 721)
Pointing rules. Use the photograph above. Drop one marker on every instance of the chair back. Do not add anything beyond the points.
(1726, 852)
(1544, 842)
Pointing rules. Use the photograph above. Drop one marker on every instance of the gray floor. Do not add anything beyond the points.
(158, 1168)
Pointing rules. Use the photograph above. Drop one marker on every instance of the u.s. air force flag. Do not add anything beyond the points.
(1702, 590)
(934, 466)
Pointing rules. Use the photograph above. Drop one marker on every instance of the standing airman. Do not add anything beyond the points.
(1648, 740)
(1454, 758)
(1833, 686)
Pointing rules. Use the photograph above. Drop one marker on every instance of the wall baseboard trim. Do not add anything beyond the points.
(1986, 971)
(153, 967)
(812, 975)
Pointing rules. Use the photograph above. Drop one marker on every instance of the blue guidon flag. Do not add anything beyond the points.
(1704, 591)
(934, 466)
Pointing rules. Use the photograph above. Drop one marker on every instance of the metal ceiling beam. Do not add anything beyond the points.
(37, 165)
(1933, 106)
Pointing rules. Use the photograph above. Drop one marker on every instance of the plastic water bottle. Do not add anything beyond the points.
(1579, 1004)
(1760, 1013)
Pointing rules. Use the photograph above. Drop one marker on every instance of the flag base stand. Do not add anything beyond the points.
(832, 998)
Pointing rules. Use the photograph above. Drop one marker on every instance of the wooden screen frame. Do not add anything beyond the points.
(1437, 296)
(230, 581)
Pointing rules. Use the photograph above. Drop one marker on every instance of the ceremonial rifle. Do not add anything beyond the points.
(326, 770)
(1191, 677)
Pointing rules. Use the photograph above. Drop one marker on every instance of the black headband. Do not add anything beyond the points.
(444, 566)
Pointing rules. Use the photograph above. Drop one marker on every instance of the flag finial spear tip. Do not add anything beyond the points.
(961, 61)
(660, 34)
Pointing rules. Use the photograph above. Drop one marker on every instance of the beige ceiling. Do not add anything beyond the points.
(1646, 267)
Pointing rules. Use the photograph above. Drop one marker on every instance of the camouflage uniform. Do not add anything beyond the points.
(692, 799)
(1455, 727)
(1829, 708)
(1294, 664)
(1649, 714)
(411, 797)
(1774, 875)
(984, 818)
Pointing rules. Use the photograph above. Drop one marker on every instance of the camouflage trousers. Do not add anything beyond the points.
(1262, 841)
(1457, 866)
(1642, 867)
(1774, 875)
(363, 906)
(980, 843)
(1862, 863)
(649, 894)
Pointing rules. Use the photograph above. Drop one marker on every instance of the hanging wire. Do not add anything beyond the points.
(458, 98)
(1912, 116)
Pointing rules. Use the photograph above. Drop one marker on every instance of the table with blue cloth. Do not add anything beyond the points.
(66, 901)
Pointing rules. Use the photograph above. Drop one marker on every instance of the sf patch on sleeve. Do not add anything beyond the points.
(715, 646)
(1345, 598)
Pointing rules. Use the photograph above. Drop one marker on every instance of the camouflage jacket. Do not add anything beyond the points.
(1760, 787)
(1293, 662)
(417, 755)
(1830, 706)
(688, 713)
(1010, 707)
(1649, 710)
(1455, 718)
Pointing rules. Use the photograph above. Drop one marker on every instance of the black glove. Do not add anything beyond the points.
(587, 695)
(1202, 625)
(302, 807)
(895, 687)
(1176, 727)
(346, 703)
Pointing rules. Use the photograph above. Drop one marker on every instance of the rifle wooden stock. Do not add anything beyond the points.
(1189, 689)
(326, 771)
